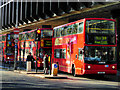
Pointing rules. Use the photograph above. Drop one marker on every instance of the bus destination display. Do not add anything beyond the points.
(47, 43)
(100, 40)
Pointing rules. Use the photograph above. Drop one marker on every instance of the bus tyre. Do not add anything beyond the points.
(73, 71)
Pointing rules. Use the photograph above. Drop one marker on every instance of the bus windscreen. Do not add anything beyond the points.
(98, 55)
(100, 32)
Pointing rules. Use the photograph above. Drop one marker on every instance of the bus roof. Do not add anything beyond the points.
(34, 30)
(83, 20)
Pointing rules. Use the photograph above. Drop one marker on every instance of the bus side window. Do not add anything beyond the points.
(80, 54)
(57, 53)
(65, 31)
(80, 30)
(63, 53)
(69, 29)
(27, 36)
(75, 28)
(58, 32)
(54, 32)
(20, 37)
(23, 36)
(62, 31)
(32, 35)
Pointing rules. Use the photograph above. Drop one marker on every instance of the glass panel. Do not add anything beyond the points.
(63, 32)
(46, 33)
(3, 38)
(23, 37)
(55, 32)
(20, 37)
(80, 54)
(64, 53)
(57, 53)
(58, 32)
(101, 32)
(69, 29)
(75, 28)
(27, 36)
(8, 37)
(80, 30)
(100, 54)
(32, 35)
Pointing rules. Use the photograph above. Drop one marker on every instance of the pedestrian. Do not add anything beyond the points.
(41, 54)
(30, 58)
(46, 65)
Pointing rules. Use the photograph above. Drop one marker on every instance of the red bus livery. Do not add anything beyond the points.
(86, 46)
(38, 42)
(7, 43)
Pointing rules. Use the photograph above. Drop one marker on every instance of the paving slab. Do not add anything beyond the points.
(41, 74)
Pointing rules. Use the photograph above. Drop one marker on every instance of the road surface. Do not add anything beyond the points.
(12, 80)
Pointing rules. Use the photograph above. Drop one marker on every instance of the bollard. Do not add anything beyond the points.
(54, 69)
(28, 69)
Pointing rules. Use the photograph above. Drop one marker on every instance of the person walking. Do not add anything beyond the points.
(30, 58)
(46, 65)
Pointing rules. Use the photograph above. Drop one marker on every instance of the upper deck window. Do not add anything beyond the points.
(23, 36)
(101, 32)
(69, 30)
(100, 26)
(3, 38)
(46, 33)
(32, 35)
(10, 37)
(20, 37)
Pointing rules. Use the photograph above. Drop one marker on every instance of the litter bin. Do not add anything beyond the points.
(28, 69)
(54, 69)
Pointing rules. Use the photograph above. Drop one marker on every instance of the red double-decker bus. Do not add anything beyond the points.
(38, 42)
(7, 45)
(3, 47)
(1, 50)
(86, 46)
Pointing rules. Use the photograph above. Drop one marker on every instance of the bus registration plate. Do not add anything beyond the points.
(101, 72)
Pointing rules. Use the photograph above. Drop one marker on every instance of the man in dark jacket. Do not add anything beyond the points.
(30, 58)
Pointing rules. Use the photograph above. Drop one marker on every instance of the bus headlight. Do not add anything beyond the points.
(113, 67)
(89, 67)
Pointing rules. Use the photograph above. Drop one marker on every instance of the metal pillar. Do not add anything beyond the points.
(15, 59)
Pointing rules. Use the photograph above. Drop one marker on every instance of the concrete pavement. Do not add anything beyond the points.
(41, 74)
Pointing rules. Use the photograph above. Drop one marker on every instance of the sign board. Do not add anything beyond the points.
(47, 43)
(16, 40)
(16, 31)
(55, 66)
(101, 40)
